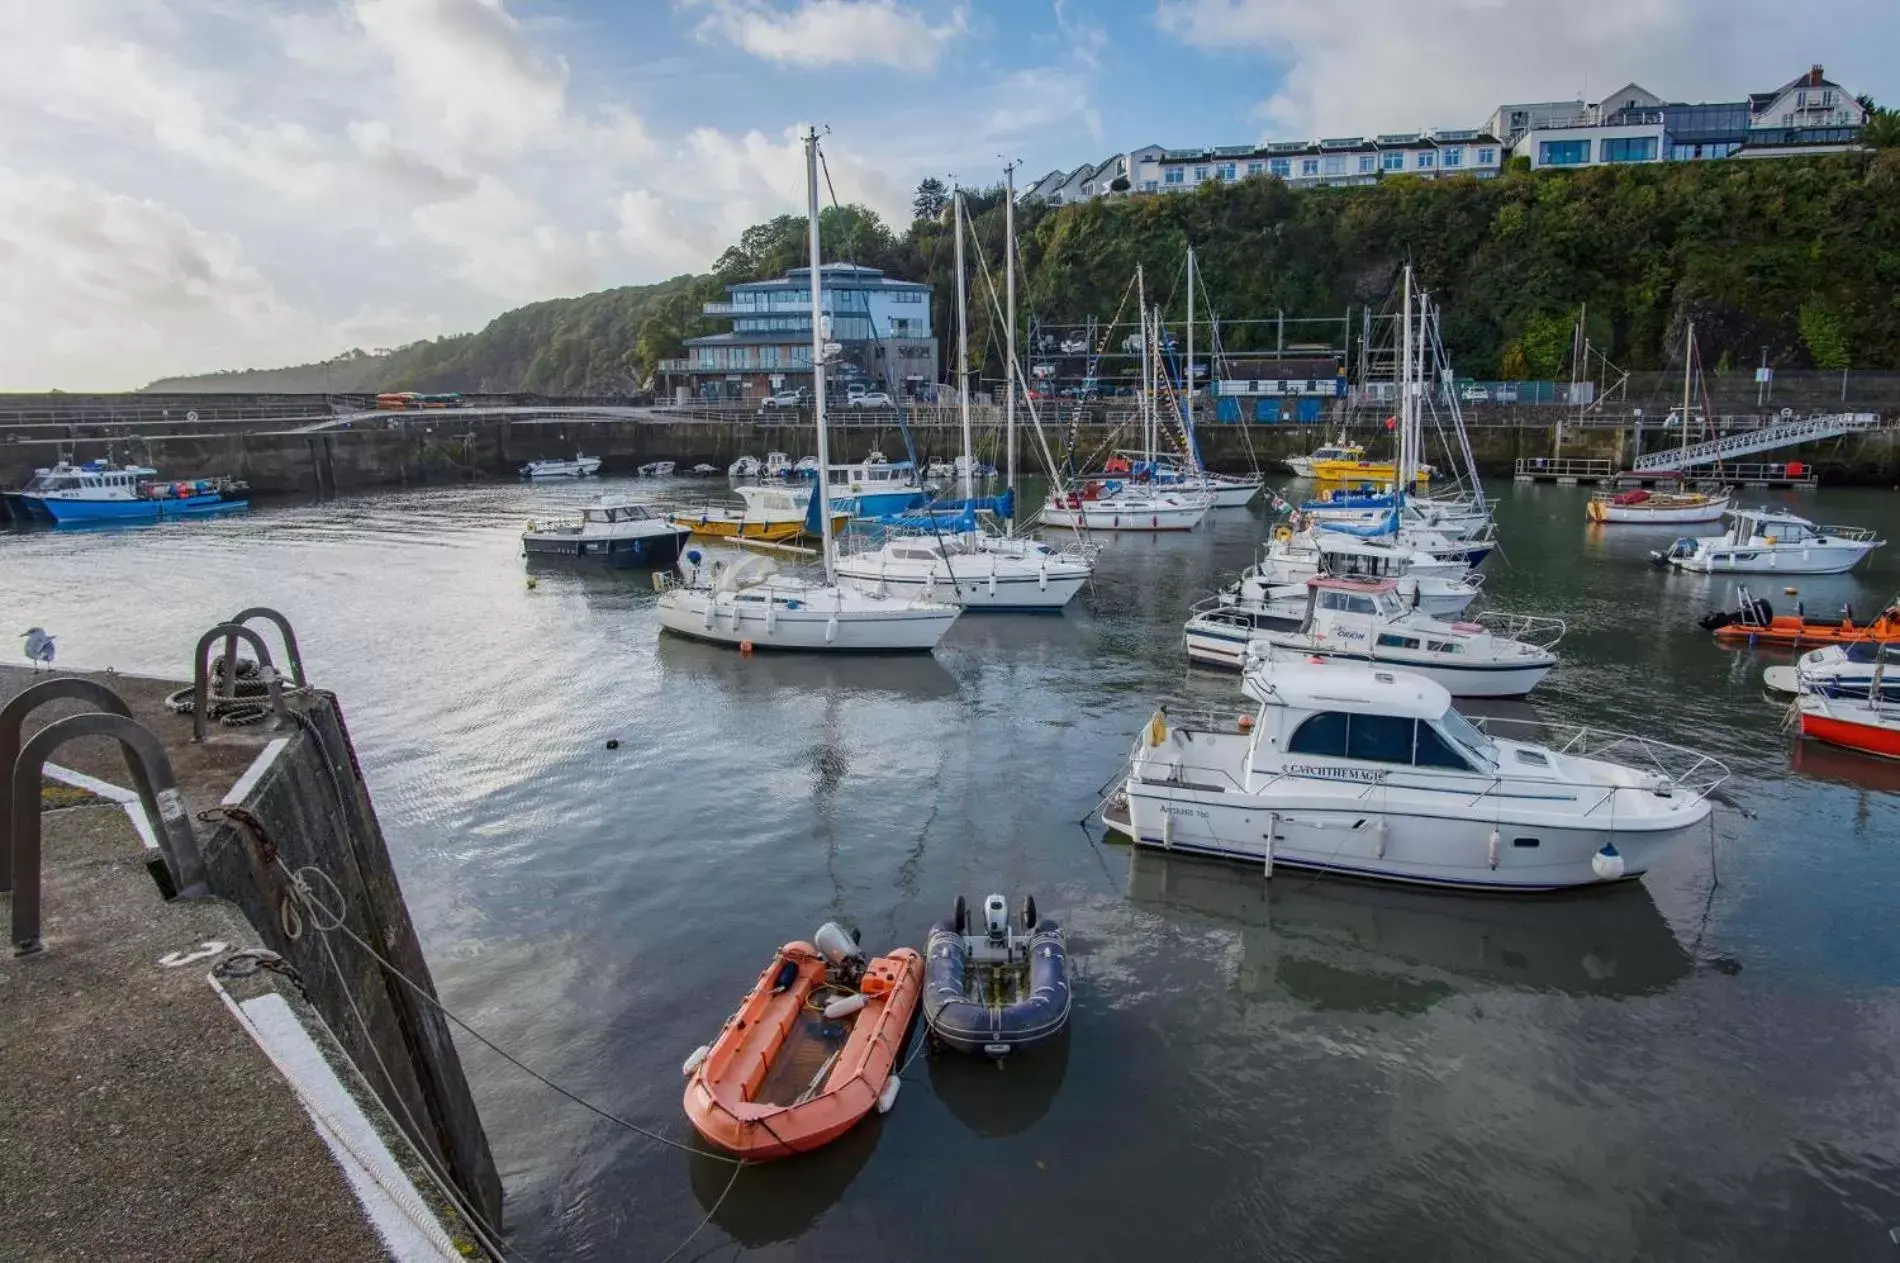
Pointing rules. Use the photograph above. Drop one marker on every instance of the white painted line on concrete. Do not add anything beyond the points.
(126, 798)
(255, 773)
(408, 1228)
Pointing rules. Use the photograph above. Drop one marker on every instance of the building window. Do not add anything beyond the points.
(1630, 149)
(1487, 157)
(1334, 164)
(1427, 160)
(1309, 166)
(1200, 174)
(1225, 171)
(1392, 161)
(1368, 163)
(1280, 167)
(1453, 157)
(1173, 175)
(1149, 186)
(1256, 168)
(768, 357)
(1563, 153)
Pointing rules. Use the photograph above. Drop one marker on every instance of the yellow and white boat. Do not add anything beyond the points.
(1362, 470)
(771, 515)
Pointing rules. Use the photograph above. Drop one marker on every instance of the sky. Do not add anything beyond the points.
(189, 185)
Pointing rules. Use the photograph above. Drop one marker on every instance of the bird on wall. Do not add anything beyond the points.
(39, 646)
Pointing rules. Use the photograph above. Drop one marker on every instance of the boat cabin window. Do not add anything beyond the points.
(1389, 641)
(1444, 646)
(1349, 602)
(1379, 738)
(1434, 751)
(1468, 735)
(1324, 734)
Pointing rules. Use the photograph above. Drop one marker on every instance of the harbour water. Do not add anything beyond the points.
(1699, 1066)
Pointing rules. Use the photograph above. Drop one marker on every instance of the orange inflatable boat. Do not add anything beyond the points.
(812, 1049)
(1755, 624)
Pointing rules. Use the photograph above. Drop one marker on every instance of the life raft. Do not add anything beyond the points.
(994, 992)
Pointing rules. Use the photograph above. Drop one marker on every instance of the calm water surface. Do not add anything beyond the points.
(1699, 1066)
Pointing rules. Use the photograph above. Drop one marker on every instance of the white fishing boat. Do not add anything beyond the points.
(1836, 670)
(743, 601)
(1302, 548)
(619, 532)
(1767, 541)
(744, 467)
(1367, 621)
(580, 467)
(957, 561)
(657, 469)
(1371, 773)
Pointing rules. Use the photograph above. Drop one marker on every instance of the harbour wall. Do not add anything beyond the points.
(425, 448)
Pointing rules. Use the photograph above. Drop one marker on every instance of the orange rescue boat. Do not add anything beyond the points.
(811, 1051)
(1791, 630)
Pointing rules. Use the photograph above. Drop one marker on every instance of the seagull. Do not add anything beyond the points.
(39, 647)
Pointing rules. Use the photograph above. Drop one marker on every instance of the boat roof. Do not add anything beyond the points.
(1351, 688)
(1770, 515)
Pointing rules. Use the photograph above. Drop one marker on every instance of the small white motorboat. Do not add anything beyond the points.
(1367, 621)
(1441, 589)
(744, 467)
(970, 569)
(1836, 670)
(580, 467)
(1369, 772)
(703, 470)
(657, 469)
(1765, 541)
(745, 601)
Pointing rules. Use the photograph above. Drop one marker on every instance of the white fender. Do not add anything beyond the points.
(1042, 582)
(992, 577)
(888, 1097)
(831, 628)
(711, 601)
(930, 583)
(1378, 839)
(771, 616)
(694, 1061)
(1167, 829)
(844, 1008)
(1608, 863)
(1491, 849)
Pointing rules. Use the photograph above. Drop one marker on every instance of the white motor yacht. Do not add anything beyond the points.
(620, 532)
(1370, 772)
(1836, 670)
(1765, 541)
(1358, 620)
(744, 467)
(972, 570)
(1440, 589)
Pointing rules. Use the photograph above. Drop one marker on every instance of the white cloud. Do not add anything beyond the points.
(834, 32)
(1356, 66)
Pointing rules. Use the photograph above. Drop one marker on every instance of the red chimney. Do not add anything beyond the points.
(1815, 76)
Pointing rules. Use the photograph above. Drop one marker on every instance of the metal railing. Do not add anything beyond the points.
(1766, 438)
(1537, 467)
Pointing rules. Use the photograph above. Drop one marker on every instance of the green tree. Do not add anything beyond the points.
(1882, 130)
(931, 198)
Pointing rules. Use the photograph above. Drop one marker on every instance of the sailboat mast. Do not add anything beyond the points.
(963, 351)
(1406, 404)
(1688, 371)
(1141, 306)
(1427, 380)
(1188, 375)
(1009, 334)
(823, 490)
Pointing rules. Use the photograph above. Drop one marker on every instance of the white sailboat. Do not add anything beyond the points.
(1371, 773)
(744, 601)
(1660, 508)
(963, 564)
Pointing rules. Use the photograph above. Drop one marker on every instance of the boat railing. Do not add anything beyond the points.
(666, 581)
(537, 526)
(1682, 768)
(1852, 534)
(1535, 630)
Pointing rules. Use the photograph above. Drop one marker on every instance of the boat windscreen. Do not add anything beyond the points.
(1468, 735)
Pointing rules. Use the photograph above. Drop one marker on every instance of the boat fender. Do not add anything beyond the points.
(992, 578)
(1029, 912)
(844, 1008)
(1608, 863)
(694, 1061)
(1042, 583)
(831, 629)
(888, 1097)
(961, 917)
(787, 973)
(1378, 842)
(1491, 849)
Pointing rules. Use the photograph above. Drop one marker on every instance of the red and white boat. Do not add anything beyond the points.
(1868, 724)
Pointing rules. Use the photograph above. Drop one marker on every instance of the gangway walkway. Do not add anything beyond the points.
(1766, 439)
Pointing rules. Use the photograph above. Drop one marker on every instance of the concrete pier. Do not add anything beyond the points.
(229, 1076)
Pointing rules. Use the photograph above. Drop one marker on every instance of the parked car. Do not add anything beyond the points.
(1075, 346)
(783, 399)
(1506, 393)
(868, 399)
(1476, 394)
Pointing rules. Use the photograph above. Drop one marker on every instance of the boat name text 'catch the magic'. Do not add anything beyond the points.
(1374, 776)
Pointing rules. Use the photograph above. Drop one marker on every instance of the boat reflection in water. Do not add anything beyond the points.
(780, 1201)
(919, 677)
(992, 1104)
(1846, 767)
(1338, 944)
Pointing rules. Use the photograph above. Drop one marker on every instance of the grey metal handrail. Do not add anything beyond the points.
(158, 791)
(13, 721)
(201, 675)
(291, 652)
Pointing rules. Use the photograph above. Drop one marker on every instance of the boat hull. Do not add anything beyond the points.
(1346, 838)
(1837, 559)
(1100, 516)
(992, 1030)
(1788, 631)
(67, 512)
(1881, 740)
(706, 526)
(1019, 594)
(656, 551)
(1638, 515)
(719, 619)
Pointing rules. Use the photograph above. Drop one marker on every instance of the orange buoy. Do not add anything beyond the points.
(745, 646)
(1246, 723)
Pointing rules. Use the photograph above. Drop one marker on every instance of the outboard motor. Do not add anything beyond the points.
(996, 922)
(844, 959)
